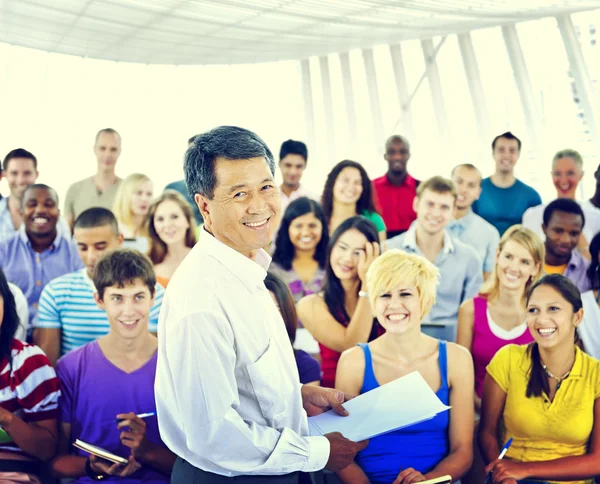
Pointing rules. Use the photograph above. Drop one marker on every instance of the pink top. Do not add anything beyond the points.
(485, 343)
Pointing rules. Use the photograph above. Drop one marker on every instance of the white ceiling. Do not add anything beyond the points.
(248, 31)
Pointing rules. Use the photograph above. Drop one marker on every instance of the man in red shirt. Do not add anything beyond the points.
(396, 189)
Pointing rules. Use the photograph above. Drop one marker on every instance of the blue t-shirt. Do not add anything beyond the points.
(309, 368)
(421, 446)
(504, 207)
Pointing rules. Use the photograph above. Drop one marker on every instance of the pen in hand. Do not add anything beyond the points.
(139, 415)
(500, 457)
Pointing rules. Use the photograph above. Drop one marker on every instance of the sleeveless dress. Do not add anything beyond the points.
(421, 446)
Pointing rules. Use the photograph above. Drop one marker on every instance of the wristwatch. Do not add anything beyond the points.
(91, 474)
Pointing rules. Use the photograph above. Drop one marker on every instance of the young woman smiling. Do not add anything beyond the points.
(348, 192)
(301, 248)
(340, 316)
(402, 291)
(545, 396)
(172, 232)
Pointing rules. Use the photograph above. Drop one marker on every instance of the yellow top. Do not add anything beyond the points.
(542, 430)
(555, 269)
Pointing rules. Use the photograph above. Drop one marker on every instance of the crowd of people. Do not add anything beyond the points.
(492, 296)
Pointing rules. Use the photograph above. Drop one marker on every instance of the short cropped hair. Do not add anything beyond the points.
(109, 131)
(41, 186)
(229, 142)
(395, 267)
(123, 267)
(468, 166)
(18, 153)
(396, 138)
(568, 153)
(96, 217)
(563, 205)
(292, 147)
(507, 135)
(437, 184)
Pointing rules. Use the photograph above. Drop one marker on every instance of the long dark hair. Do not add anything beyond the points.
(334, 294)
(365, 202)
(538, 379)
(593, 272)
(284, 249)
(10, 321)
(285, 300)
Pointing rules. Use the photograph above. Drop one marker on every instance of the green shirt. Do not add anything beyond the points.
(376, 219)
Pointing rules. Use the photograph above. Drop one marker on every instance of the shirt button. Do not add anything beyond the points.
(38, 283)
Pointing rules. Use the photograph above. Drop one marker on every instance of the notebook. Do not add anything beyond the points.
(438, 480)
(100, 452)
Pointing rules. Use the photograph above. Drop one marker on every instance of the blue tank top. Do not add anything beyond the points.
(421, 446)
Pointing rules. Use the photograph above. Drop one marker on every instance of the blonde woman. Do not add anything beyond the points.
(172, 233)
(131, 207)
(401, 289)
(497, 316)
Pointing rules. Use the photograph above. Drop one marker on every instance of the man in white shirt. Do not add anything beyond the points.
(228, 396)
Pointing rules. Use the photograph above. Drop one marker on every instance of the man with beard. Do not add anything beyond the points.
(38, 253)
(396, 190)
(504, 198)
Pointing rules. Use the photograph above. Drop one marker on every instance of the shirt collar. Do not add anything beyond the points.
(410, 240)
(409, 181)
(23, 236)
(576, 261)
(251, 272)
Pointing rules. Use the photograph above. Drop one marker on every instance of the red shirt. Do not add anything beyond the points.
(396, 202)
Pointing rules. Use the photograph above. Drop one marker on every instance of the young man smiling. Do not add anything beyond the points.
(38, 253)
(68, 316)
(122, 364)
(460, 267)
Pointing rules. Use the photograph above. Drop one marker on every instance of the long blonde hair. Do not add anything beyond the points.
(531, 242)
(158, 249)
(122, 204)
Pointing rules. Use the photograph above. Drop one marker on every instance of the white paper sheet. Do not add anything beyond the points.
(395, 405)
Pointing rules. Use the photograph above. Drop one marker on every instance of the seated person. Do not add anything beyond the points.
(308, 367)
(38, 253)
(301, 248)
(544, 396)
(68, 315)
(131, 207)
(340, 316)
(172, 234)
(563, 224)
(348, 192)
(113, 378)
(28, 400)
(589, 330)
(401, 290)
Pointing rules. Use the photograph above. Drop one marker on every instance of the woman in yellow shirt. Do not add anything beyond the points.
(545, 396)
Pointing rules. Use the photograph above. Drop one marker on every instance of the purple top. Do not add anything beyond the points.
(486, 344)
(30, 270)
(297, 287)
(308, 367)
(93, 392)
(576, 271)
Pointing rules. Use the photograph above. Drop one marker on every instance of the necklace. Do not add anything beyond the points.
(559, 380)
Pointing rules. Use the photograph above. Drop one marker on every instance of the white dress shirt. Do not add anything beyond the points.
(227, 387)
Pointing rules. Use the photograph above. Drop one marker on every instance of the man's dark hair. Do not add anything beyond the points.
(192, 139)
(19, 153)
(563, 205)
(292, 147)
(96, 217)
(507, 135)
(41, 186)
(109, 131)
(229, 142)
(122, 267)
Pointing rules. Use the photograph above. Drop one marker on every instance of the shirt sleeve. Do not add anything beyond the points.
(36, 385)
(490, 256)
(66, 387)
(378, 221)
(535, 198)
(155, 310)
(48, 315)
(69, 197)
(207, 398)
(308, 367)
(474, 276)
(499, 367)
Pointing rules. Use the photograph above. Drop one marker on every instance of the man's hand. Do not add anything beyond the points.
(505, 469)
(408, 476)
(101, 466)
(342, 451)
(135, 437)
(317, 400)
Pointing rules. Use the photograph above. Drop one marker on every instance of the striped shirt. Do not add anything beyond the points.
(30, 388)
(67, 303)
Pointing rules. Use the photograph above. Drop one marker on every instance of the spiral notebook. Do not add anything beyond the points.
(100, 452)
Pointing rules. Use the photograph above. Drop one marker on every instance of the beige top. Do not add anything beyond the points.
(84, 194)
